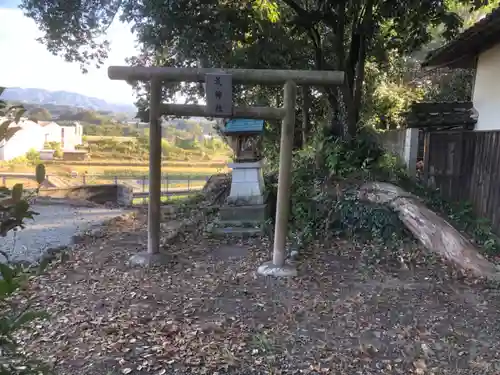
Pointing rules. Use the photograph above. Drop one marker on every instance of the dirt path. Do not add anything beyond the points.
(208, 313)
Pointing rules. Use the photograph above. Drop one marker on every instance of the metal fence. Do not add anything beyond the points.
(174, 186)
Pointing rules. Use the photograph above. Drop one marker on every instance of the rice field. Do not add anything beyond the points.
(9, 182)
(173, 171)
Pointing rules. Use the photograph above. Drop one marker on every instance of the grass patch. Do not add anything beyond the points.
(28, 183)
(170, 199)
(94, 138)
(138, 171)
(139, 187)
(214, 163)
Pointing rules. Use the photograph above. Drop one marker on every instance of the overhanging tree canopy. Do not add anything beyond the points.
(285, 34)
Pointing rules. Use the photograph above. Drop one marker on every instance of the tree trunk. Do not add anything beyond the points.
(366, 35)
(350, 123)
(306, 104)
(336, 127)
(435, 233)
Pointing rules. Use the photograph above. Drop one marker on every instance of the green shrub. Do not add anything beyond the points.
(56, 146)
(14, 209)
(59, 153)
(82, 147)
(17, 161)
(33, 156)
(324, 190)
(187, 144)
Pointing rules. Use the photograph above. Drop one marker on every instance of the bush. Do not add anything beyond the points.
(33, 156)
(56, 146)
(324, 199)
(187, 144)
(15, 208)
(82, 147)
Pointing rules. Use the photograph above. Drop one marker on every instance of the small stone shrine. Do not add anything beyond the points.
(245, 209)
(247, 184)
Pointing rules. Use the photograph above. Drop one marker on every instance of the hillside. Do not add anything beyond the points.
(64, 98)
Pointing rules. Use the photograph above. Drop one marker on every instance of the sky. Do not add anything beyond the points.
(30, 65)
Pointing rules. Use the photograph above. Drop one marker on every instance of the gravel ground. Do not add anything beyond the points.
(54, 227)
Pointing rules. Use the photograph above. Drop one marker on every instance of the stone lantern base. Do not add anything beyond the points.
(245, 211)
(247, 184)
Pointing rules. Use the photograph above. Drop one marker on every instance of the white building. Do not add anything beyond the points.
(27, 135)
(68, 136)
(478, 48)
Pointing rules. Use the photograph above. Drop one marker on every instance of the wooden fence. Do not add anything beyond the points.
(465, 166)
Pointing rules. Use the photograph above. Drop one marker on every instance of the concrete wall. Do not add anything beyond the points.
(116, 194)
(486, 94)
(47, 154)
(393, 141)
(404, 144)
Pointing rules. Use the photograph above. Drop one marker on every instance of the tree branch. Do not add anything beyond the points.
(299, 10)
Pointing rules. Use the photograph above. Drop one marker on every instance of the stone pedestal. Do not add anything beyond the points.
(245, 211)
(247, 185)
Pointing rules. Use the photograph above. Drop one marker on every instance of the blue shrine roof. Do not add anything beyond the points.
(244, 126)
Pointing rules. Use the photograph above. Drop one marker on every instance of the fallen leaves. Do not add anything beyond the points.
(420, 366)
(207, 312)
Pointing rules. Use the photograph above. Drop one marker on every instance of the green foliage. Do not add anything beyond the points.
(14, 210)
(137, 148)
(461, 215)
(449, 86)
(187, 144)
(115, 130)
(389, 91)
(13, 318)
(294, 34)
(324, 202)
(89, 117)
(56, 146)
(33, 156)
(39, 114)
(361, 157)
(172, 152)
(11, 113)
(119, 148)
(40, 173)
(214, 144)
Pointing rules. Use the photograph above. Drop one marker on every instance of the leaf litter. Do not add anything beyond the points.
(208, 312)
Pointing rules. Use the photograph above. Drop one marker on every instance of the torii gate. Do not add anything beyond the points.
(289, 78)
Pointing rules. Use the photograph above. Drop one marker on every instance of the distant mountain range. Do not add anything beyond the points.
(64, 98)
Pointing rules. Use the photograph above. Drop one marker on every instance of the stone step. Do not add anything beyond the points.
(237, 231)
(253, 213)
(240, 223)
